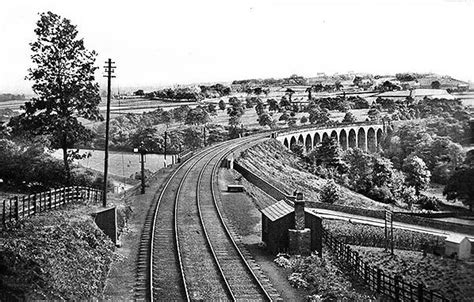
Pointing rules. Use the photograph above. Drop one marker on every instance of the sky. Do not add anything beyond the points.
(179, 42)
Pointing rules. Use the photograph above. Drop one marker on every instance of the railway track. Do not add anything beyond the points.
(187, 252)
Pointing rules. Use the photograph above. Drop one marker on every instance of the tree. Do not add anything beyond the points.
(65, 87)
(166, 117)
(147, 139)
(284, 117)
(211, 108)
(290, 93)
(250, 102)
(180, 113)
(349, 118)
(297, 148)
(259, 107)
(222, 105)
(435, 85)
(374, 114)
(272, 105)
(197, 116)
(193, 137)
(265, 119)
(328, 153)
(292, 122)
(318, 116)
(359, 170)
(235, 111)
(460, 186)
(285, 103)
(417, 174)
(330, 192)
(360, 103)
(303, 120)
(139, 92)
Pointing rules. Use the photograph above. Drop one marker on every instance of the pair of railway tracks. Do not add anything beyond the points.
(187, 251)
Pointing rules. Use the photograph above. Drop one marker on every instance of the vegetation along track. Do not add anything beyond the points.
(192, 258)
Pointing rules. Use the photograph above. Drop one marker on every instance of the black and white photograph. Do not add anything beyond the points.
(237, 150)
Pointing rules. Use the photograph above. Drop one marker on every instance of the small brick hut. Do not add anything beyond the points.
(279, 218)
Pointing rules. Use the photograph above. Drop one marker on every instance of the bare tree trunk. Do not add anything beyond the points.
(66, 166)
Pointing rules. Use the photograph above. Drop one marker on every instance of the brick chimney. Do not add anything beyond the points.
(299, 215)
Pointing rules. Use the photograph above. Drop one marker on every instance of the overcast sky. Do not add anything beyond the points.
(172, 42)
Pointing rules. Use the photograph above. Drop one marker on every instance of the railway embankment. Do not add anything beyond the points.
(277, 172)
(61, 254)
(55, 255)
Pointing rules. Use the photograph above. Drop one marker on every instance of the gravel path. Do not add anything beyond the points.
(247, 223)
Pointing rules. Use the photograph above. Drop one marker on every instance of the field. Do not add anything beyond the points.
(120, 163)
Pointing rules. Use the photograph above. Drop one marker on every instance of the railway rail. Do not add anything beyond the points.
(187, 252)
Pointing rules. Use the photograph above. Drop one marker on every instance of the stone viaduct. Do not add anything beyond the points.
(365, 136)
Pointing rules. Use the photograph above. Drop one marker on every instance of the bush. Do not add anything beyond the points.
(382, 194)
(330, 192)
(298, 149)
(428, 203)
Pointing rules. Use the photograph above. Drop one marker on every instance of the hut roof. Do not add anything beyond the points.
(456, 238)
(277, 210)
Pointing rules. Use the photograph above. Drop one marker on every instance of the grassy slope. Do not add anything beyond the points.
(59, 254)
(281, 168)
(454, 279)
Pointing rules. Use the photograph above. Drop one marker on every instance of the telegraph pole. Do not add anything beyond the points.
(109, 70)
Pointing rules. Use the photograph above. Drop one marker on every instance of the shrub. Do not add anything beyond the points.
(382, 194)
(430, 203)
(330, 192)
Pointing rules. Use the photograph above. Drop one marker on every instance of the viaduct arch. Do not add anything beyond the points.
(364, 136)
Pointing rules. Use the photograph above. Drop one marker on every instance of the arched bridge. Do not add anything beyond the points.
(365, 136)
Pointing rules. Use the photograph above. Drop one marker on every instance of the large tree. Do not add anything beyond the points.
(460, 186)
(64, 87)
(417, 174)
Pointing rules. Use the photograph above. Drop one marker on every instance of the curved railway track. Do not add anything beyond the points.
(187, 252)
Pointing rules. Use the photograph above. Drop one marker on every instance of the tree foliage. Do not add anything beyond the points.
(349, 118)
(417, 174)
(265, 119)
(197, 116)
(235, 111)
(319, 116)
(330, 192)
(64, 85)
(222, 105)
(461, 186)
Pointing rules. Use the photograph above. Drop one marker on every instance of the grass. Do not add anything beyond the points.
(454, 279)
(56, 255)
(374, 236)
(120, 163)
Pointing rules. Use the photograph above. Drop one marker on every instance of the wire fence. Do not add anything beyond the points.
(375, 279)
(20, 207)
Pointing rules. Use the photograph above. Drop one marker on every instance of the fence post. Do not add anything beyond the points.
(34, 205)
(397, 287)
(366, 271)
(17, 210)
(379, 281)
(420, 292)
(50, 199)
(4, 213)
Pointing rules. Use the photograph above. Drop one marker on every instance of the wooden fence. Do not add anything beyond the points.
(20, 207)
(378, 281)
